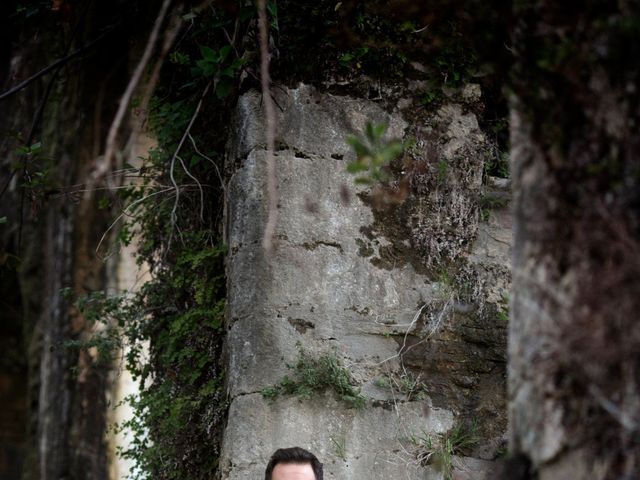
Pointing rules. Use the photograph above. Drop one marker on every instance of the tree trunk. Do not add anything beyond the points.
(574, 347)
(53, 229)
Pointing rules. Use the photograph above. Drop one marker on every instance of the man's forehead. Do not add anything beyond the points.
(293, 471)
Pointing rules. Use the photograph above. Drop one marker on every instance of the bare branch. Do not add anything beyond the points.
(625, 419)
(175, 155)
(104, 166)
(404, 348)
(184, 167)
(193, 118)
(195, 147)
(54, 65)
(125, 212)
(169, 38)
(175, 202)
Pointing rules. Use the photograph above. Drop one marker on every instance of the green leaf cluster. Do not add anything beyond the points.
(218, 63)
(171, 333)
(172, 328)
(373, 154)
(314, 375)
(38, 169)
(439, 451)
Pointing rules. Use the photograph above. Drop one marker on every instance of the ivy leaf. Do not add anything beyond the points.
(224, 53)
(246, 13)
(346, 59)
(208, 53)
(272, 7)
(232, 69)
(195, 159)
(206, 67)
(224, 87)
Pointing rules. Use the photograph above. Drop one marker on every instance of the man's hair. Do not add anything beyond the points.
(293, 455)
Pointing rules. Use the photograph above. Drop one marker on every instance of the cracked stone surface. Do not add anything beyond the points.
(321, 290)
(372, 443)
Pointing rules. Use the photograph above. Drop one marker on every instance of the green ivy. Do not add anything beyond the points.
(172, 328)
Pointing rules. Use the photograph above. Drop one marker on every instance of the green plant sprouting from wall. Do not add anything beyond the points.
(373, 154)
(439, 450)
(313, 375)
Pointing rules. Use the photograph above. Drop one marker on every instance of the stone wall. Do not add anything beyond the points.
(409, 298)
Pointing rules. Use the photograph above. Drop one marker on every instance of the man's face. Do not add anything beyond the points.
(293, 471)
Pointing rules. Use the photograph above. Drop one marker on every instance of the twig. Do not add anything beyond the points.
(232, 40)
(103, 167)
(70, 191)
(36, 121)
(175, 155)
(124, 212)
(406, 334)
(184, 167)
(404, 349)
(195, 147)
(625, 419)
(54, 65)
(193, 118)
(169, 38)
(32, 132)
(176, 201)
(272, 185)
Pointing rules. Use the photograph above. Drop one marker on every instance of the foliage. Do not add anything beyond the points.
(215, 62)
(439, 451)
(378, 38)
(104, 313)
(27, 9)
(171, 329)
(503, 307)
(37, 171)
(374, 154)
(350, 38)
(314, 375)
(497, 164)
(180, 312)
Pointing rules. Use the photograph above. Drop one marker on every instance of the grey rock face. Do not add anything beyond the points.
(330, 286)
(352, 444)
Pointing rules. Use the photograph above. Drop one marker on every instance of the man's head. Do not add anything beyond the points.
(293, 463)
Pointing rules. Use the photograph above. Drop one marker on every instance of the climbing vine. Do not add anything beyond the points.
(172, 328)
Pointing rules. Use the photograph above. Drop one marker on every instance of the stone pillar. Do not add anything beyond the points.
(330, 286)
